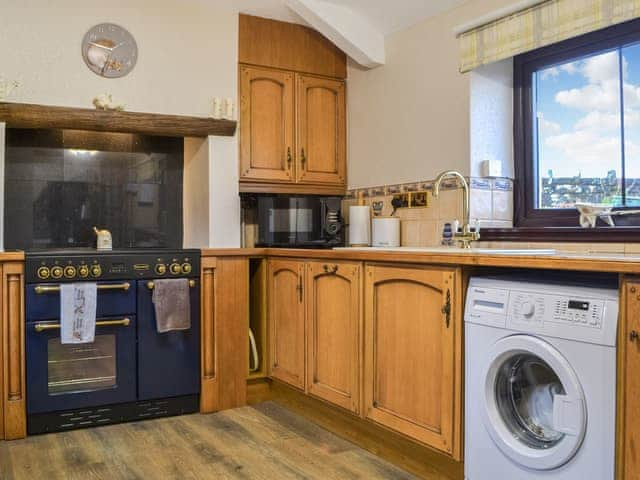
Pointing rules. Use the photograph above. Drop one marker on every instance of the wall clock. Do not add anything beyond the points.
(109, 50)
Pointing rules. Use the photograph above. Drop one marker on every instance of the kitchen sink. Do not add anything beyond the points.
(458, 251)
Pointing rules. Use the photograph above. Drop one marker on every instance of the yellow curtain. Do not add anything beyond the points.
(543, 24)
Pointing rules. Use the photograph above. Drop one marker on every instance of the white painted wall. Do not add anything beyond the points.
(491, 116)
(409, 119)
(187, 55)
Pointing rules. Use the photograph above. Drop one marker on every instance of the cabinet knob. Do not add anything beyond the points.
(303, 157)
(289, 156)
(633, 336)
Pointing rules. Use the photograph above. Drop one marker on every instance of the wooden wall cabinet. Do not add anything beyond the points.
(412, 353)
(334, 332)
(292, 131)
(286, 321)
(267, 125)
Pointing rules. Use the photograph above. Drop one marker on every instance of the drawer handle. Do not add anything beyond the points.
(125, 322)
(40, 289)
(151, 285)
(633, 336)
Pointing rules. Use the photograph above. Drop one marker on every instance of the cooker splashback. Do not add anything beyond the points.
(60, 183)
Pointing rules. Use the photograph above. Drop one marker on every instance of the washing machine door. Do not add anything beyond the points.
(534, 404)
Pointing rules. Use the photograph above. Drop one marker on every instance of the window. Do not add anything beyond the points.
(577, 126)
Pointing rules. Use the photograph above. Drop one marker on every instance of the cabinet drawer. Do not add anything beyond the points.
(114, 298)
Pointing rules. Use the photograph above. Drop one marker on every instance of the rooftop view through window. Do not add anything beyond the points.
(587, 130)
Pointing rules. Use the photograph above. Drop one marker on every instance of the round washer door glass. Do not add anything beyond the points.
(534, 404)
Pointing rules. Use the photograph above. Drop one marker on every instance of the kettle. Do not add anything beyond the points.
(104, 241)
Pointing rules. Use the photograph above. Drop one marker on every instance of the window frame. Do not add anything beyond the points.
(525, 213)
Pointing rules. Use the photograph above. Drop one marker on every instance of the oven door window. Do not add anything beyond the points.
(81, 367)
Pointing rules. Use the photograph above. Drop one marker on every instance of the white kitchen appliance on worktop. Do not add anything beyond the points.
(540, 380)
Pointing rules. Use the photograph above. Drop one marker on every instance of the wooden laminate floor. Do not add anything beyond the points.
(265, 441)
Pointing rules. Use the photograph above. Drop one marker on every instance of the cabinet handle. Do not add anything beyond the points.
(446, 308)
(289, 157)
(332, 270)
(633, 336)
(303, 157)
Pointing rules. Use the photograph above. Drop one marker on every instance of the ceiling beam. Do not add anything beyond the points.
(348, 31)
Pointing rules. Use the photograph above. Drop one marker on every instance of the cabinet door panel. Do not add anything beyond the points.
(286, 321)
(321, 130)
(628, 467)
(266, 125)
(410, 354)
(333, 315)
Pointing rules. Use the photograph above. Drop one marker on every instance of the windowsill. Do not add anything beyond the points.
(562, 234)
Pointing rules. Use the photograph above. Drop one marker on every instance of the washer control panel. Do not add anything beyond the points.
(583, 313)
(527, 307)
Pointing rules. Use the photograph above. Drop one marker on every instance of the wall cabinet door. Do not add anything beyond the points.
(321, 130)
(286, 321)
(412, 365)
(267, 147)
(333, 332)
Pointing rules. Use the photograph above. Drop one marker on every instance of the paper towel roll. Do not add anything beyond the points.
(359, 226)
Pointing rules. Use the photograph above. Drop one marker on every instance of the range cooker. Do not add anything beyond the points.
(130, 371)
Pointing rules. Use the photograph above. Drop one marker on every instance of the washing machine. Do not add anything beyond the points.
(540, 380)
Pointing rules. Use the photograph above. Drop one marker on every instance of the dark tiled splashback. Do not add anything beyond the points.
(60, 183)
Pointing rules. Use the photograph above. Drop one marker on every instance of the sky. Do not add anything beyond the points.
(579, 115)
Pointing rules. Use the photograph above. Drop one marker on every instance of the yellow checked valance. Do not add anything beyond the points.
(543, 24)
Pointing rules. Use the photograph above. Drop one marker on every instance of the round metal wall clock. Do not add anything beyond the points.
(109, 50)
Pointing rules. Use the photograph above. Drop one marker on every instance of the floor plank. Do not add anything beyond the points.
(261, 442)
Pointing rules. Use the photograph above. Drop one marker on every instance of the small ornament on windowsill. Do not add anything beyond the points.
(7, 87)
(104, 101)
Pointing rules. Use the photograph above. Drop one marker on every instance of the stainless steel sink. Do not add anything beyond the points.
(460, 251)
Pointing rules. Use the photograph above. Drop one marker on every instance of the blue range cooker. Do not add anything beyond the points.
(130, 371)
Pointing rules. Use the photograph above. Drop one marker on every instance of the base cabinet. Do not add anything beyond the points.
(412, 360)
(287, 321)
(333, 332)
(383, 342)
(628, 456)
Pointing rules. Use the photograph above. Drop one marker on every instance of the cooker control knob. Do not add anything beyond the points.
(43, 273)
(161, 268)
(57, 272)
(83, 271)
(69, 271)
(186, 268)
(175, 269)
(96, 270)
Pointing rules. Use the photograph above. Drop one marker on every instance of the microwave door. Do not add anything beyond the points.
(307, 221)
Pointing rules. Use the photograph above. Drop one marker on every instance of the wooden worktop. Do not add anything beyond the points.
(592, 262)
(11, 256)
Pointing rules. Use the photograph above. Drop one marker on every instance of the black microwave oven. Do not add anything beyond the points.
(303, 221)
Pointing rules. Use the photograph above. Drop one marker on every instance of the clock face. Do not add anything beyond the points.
(109, 50)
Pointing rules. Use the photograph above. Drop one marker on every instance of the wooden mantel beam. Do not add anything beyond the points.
(23, 115)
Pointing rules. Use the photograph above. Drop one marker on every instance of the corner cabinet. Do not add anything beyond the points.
(334, 332)
(412, 365)
(286, 319)
(292, 132)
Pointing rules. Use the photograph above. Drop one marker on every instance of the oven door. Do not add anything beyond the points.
(168, 363)
(69, 376)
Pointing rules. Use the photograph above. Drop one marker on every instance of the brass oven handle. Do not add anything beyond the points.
(41, 327)
(40, 289)
(151, 285)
